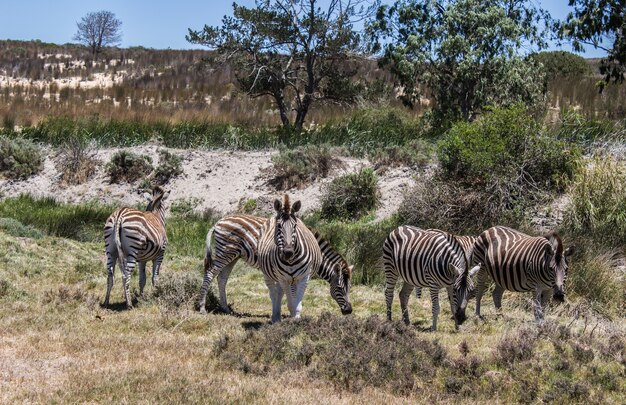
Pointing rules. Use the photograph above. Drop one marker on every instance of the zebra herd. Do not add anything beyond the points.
(289, 254)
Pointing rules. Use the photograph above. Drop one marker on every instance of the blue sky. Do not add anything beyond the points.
(153, 24)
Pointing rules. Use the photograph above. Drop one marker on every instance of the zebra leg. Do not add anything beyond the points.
(276, 295)
(497, 298)
(126, 273)
(405, 294)
(300, 288)
(222, 279)
(156, 267)
(391, 278)
(537, 305)
(450, 291)
(481, 286)
(111, 259)
(142, 277)
(418, 292)
(210, 270)
(434, 297)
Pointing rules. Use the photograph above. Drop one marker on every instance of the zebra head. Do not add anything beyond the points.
(156, 201)
(556, 259)
(340, 286)
(463, 289)
(285, 232)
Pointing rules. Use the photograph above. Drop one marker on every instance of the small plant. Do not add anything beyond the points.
(177, 289)
(170, 166)
(351, 196)
(301, 166)
(249, 206)
(185, 207)
(14, 227)
(77, 161)
(415, 154)
(19, 158)
(517, 346)
(128, 167)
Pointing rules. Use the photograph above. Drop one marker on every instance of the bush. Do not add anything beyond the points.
(14, 227)
(351, 196)
(170, 165)
(561, 64)
(598, 202)
(19, 158)
(128, 167)
(415, 154)
(76, 161)
(177, 290)
(577, 129)
(301, 166)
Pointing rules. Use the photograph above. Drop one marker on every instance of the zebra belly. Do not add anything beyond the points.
(511, 279)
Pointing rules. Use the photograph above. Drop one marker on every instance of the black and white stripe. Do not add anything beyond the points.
(521, 263)
(288, 255)
(134, 236)
(427, 258)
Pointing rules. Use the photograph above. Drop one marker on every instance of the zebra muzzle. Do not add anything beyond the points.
(347, 310)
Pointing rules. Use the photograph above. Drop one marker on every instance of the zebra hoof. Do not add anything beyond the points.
(202, 310)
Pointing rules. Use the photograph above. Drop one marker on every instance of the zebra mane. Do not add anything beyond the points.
(157, 196)
(556, 244)
(286, 204)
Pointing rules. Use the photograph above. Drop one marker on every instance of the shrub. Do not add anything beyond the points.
(561, 64)
(14, 227)
(301, 166)
(128, 167)
(576, 128)
(415, 154)
(351, 196)
(76, 161)
(170, 166)
(516, 346)
(598, 202)
(177, 289)
(19, 158)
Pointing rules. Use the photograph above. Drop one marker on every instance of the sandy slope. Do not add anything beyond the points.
(219, 179)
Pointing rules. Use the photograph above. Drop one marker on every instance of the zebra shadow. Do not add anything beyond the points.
(118, 306)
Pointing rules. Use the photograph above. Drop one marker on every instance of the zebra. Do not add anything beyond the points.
(133, 236)
(287, 254)
(427, 258)
(521, 263)
(237, 236)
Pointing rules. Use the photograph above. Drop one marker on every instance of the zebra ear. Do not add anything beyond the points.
(165, 195)
(147, 196)
(277, 205)
(296, 207)
(569, 251)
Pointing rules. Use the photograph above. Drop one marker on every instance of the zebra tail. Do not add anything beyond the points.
(117, 231)
(208, 259)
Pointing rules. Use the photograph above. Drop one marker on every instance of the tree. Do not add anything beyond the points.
(294, 51)
(601, 23)
(97, 30)
(466, 53)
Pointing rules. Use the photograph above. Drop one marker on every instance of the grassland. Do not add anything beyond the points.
(59, 345)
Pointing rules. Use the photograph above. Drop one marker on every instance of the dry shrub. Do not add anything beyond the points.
(176, 290)
(77, 161)
(301, 166)
(349, 352)
(128, 167)
(516, 347)
(170, 166)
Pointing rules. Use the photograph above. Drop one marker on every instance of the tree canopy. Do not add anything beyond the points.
(99, 29)
(601, 23)
(466, 53)
(296, 51)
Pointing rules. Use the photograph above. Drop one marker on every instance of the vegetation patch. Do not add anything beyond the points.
(128, 167)
(170, 166)
(77, 161)
(351, 196)
(301, 166)
(415, 154)
(14, 227)
(19, 158)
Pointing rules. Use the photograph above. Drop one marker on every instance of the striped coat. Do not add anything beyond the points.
(135, 237)
(237, 236)
(521, 263)
(288, 254)
(426, 258)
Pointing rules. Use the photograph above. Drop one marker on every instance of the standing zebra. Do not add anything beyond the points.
(427, 258)
(518, 262)
(135, 236)
(237, 236)
(287, 254)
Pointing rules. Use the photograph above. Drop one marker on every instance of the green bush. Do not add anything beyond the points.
(561, 64)
(19, 158)
(414, 154)
(597, 207)
(170, 165)
(128, 167)
(578, 129)
(351, 196)
(14, 227)
(303, 165)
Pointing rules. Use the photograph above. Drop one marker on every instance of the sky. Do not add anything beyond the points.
(150, 23)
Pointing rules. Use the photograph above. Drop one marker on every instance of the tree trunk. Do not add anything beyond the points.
(282, 108)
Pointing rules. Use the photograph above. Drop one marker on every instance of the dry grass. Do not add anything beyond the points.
(57, 344)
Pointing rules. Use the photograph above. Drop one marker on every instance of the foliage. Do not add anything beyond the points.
(77, 161)
(466, 60)
(170, 165)
(300, 166)
(128, 167)
(598, 23)
(415, 154)
(97, 30)
(351, 196)
(598, 202)
(586, 132)
(561, 64)
(293, 51)
(16, 228)
(19, 158)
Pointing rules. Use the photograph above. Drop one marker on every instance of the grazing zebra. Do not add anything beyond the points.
(288, 255)
(237, 236)
(427, 258)
(135, 236)
(518, 262)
